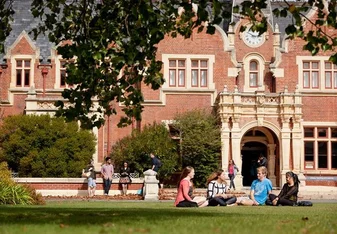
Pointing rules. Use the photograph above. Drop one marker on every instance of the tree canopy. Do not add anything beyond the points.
(114, 43)
(136, 149)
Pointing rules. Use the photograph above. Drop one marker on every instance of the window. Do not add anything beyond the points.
(188, 72)
(330, 75)
(253, 74)
(177, 72)
(22, 73)
(310, 74)
(199, 73)
(320, 148)
(254, 67)
(63, 74)
(316, 73)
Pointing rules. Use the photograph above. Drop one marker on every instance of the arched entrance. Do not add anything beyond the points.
(250, 153)
(256, 141)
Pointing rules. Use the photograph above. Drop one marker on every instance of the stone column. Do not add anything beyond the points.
(224, 146)
(151, 189)
(285, 151)
(298, 154)
(271, 163)
(236, 154)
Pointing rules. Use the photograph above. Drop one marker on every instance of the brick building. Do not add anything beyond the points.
(273, 97)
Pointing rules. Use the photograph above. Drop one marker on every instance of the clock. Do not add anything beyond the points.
(253, 39)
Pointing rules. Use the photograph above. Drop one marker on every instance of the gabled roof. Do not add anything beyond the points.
(24, 21)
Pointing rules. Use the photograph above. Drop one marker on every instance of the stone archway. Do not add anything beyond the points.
(256, 141)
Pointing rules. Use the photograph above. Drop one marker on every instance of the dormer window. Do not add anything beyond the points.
(23, 72)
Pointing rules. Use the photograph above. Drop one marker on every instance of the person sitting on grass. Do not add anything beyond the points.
(288, 194)
(217, 190)
(185, 190)
(259, 191)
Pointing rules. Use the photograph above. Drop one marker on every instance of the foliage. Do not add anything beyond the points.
(16, 194)
(200, 143)
(42, 146)
(162, 217)
(114, 43)
(136, 149)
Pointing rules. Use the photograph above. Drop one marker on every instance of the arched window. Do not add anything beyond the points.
(254, 66)
(253, 73)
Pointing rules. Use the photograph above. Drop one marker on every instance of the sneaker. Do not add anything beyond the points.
(234, 204)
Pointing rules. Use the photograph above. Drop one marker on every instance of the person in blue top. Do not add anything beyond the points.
(259, 191)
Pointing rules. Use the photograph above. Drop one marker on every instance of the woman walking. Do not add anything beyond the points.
(232, 170)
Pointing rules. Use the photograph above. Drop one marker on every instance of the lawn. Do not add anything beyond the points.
(161, 217)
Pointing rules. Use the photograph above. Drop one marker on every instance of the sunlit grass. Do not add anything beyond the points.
(161, 217)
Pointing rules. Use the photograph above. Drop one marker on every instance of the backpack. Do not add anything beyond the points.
(304, 203)
(159, 163)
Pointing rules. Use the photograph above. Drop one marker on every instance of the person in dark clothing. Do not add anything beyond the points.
(125, 177)
(262, 161)
(288, 194)
(156, 164)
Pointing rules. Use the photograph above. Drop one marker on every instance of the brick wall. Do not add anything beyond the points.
(75, 186)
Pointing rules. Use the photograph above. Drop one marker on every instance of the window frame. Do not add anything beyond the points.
(31, 68)
(329, 140)
(58, 72)
(254, 57)
(323, 69)
(188, 86)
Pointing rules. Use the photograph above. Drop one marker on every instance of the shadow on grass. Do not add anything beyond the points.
(91, 215)
(82, 213)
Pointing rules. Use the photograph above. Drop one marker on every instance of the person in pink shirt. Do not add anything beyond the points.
(107, 171)
(185, 190)
(232, 170)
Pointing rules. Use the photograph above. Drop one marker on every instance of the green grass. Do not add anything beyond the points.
(161, 217)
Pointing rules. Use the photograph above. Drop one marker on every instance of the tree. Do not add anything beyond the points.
(136, 149)
(114, 43)
(200, 143)
(42, 146)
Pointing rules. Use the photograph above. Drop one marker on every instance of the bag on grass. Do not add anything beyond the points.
(304, 203)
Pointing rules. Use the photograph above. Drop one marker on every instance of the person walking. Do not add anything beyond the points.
(107, 171)
(156, 163)
(232, 170)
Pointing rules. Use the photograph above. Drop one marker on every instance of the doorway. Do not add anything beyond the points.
(250, 153)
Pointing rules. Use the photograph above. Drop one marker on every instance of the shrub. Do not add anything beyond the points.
(200, 143)
(15, 194)
(136, 149)
(42, 146)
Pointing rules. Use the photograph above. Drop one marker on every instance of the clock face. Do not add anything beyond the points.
(253, 39)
